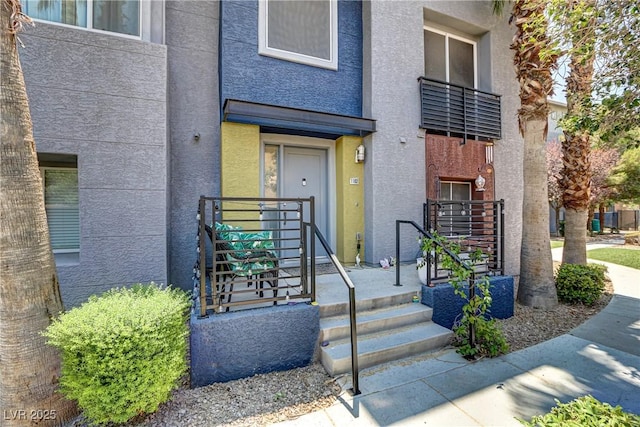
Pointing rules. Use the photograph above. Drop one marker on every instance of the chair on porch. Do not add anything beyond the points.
(245, 255)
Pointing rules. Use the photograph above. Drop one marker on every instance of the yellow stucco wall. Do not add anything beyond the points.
(240, 177)
(349, 200)
(239, 160)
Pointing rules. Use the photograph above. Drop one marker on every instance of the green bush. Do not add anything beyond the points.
(580, 283)
(122, 352)
(585, 411)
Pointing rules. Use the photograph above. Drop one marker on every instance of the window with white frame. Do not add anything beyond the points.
(449, 58)
(455, 213)
(304, 31)
(118, 16)
(60, 182)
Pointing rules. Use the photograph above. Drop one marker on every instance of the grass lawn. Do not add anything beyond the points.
(620, 256)
(556, 244)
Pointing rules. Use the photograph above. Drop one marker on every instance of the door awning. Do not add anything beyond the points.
(273, 118)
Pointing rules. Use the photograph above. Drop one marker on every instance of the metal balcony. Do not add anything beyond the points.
(453, 110)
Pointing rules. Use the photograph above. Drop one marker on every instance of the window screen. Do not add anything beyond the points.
(300, 26)
(300, 31)
(61, 204)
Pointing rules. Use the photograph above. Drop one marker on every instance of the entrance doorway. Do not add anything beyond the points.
(296, 171)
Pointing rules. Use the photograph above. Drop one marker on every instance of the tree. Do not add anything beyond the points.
(579, 19)
(29, 291)
(603, 96)
(554, 171)
(617, 81)
(534, 58)
(625, 177)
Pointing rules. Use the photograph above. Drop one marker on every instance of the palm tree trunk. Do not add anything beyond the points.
(534, 59)
(29, 291)
(576, 148)
(537, 287)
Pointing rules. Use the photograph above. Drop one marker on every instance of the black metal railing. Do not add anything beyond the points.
(352, 305)
(267, 244)
(459, 111)
(252, 251)
(473, 225)
(455, 258)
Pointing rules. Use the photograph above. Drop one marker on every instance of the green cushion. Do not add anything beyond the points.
(243, 263)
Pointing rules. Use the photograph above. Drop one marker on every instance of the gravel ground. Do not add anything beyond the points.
(269, 398)
(279, 396)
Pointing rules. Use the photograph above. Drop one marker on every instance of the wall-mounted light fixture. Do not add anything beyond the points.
(360, 154)
(480, 180)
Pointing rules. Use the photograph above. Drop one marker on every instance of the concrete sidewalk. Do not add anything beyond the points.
(601, 357)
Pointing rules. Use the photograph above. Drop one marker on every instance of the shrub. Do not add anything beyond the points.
(580, 283)
(489, 339)
(585, 411)
(122, 352)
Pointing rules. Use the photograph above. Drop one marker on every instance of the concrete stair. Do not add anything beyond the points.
(389, 328)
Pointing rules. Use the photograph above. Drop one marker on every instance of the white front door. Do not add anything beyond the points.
(302, 172)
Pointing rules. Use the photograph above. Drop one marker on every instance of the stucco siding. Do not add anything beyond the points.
(248, 76)
(101, 97)
(240, 156)
(349, 200)
(193, 109)
(395, 171)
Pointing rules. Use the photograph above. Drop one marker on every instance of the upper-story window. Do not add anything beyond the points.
(449, 58)
(118, 16)
(304, 31)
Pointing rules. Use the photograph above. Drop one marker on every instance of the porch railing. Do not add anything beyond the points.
(472, 224)
(459, 111)
(352, 305)
(453, 256)
(267, 244)
(253, 251)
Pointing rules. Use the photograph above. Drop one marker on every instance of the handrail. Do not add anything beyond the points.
(352, 304)
(454, 257)
(442, 82)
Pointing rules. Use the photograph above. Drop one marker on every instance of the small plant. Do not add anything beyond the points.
(586, 411)
(122, 352)
(488, 337)
(580, 283)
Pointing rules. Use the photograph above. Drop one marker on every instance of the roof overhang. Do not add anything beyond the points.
(294, 120)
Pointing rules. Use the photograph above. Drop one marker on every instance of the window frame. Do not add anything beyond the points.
(447, 35)
(452, 229)
(144, 10)
(266, 50)
(44, 187)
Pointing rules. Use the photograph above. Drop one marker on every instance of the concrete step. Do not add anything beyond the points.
(384, 346)
(342, 308)
(338, 327)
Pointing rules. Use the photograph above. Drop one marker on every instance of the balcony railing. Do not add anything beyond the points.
(459, 111)
(473, 225)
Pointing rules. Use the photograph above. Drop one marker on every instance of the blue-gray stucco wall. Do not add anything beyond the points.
(102, 98)
(248, 76)
(241, 344)
(447, 306)
(193, 108)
